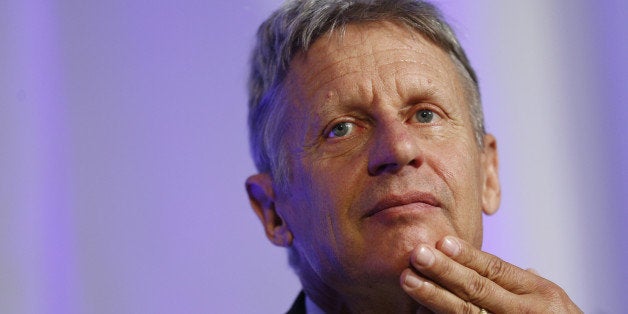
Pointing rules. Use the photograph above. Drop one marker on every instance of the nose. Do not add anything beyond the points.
(394, 146)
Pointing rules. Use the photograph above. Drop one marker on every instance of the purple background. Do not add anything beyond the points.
(123, 152)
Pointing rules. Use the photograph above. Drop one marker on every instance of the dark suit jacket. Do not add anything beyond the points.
(298, 307)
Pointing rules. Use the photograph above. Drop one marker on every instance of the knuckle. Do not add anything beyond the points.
(550, 290)
(430, 292)
(469, 258)
(557, 296)
(444, 268)
(477, 290)
(494, 268)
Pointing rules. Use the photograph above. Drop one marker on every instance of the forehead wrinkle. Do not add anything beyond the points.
(320, 86)
(355, 68)
(313, 75)
(333, 51)
(403, 86)
(337, 68)
(432, 84)
(334, 56)
(338, 48)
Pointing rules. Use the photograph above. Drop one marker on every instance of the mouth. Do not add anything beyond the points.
(401, 203)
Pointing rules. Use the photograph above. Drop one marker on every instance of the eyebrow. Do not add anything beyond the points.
(428, 93)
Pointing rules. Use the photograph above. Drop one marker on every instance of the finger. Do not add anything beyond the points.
(509, 276)
(462, 281)
(432, 296)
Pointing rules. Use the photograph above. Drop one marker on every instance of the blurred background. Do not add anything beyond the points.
(123, 152)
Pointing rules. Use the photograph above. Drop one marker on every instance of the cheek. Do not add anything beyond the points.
(312, 203)
(463, 167)
(461, 171)
(329, 188)
(338, 180)
(316, 225)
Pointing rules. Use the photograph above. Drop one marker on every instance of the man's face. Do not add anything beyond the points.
(382, 155)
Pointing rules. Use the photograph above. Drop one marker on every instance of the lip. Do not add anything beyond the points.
(408, 201)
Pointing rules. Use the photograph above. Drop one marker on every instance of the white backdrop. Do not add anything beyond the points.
(123, 152)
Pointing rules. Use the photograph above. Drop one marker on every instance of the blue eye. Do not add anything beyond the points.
(424, 116)
(341, 129)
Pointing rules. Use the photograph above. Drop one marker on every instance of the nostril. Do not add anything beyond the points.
(413, 163)
(389, 167)
(393, 167)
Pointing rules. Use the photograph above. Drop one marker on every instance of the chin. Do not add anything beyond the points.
(387, 251)
(402, 238)
(391, 254)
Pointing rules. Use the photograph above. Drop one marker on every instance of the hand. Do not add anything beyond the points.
(456, 277)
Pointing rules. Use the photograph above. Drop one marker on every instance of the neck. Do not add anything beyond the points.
(357, 298)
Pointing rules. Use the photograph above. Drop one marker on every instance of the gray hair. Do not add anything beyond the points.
(295, 26)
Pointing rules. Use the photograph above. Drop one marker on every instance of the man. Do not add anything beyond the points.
(374, 166)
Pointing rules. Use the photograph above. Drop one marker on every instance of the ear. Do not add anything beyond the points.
(262, 197)
(491, 192)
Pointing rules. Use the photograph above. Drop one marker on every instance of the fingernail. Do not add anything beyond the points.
(411, 281)
(424, 257)
(450, 247)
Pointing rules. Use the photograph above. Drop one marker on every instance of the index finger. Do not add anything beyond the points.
(508, 276)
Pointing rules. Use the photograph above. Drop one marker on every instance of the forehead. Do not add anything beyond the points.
(386, 52)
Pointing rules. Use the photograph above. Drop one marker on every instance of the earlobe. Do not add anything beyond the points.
(261, 193)
(491, 194)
